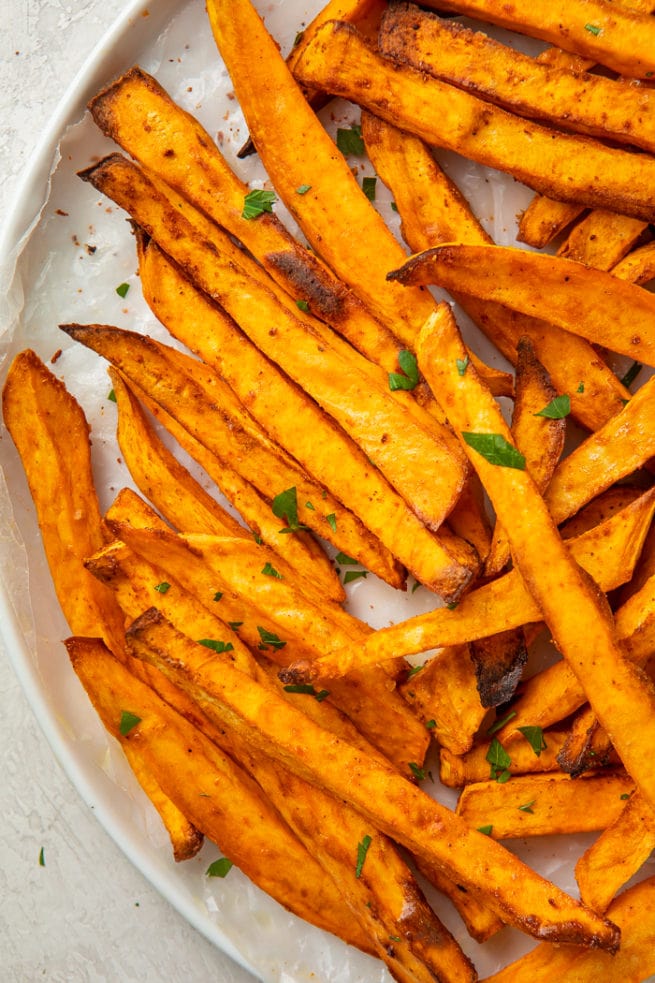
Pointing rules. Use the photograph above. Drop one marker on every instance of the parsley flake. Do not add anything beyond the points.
(487, 830)
(351, 575)
(409, 367)
(419, 773)
(219, 868)
(216, 645)
(580, 388)
(499, 724)
(528, 806)
(430, 724)
(535, 738)
(331, 520)
(495, 449)
(122, 289)
(302, 305)
(285, 506)
(319, 695)
(111, 396)
(269, 638)
(499, 760)
(351, 141)
(234, 625)
(303, 189)
(415, 669)
(270, 571)
(557, 409)
(345, 560)
(368, 187)
(257, 202)
(462, 365)
(218, 595)
(42, 857)
(163, 588)
(593, 29)
(128, 721)
(362, 850)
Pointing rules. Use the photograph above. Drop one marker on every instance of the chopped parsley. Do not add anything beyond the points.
(42, 857)
(535, 738)
(557, 409)
(462, 365)
(430, 724)
(216, 645)
(408, 380)
(302, 305)
(331, 520)
(234, 625)
(528, 806)
(345, 560)
(419, 773)
(122, 289)
(362, 850)
(351, 575)
(487, 830)
(368, 187)
(499, 760)
(163, 588)
(580, 388)
(285, 506)
(270, 571)
(269, 638)
(319, 695)
(257, 202)
(303, 189)
(350, 141)
(219, 868)
(111, 396)
(218, 595)
(593, 29)
(128, 721)
(499, 724)
(495, 449)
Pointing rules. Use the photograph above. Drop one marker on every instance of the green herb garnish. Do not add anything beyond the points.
(303, 189)
(351, 141)
(163, 588)
(499, 724)
(257, 202)
(302, 305)
(128, 721)
(270, 571)
(285, 506)
(593, 29)
(351, 575)
(219, 868)
(122, 289)
(269, 638)
(319, 695)
(631, 374)
(495, 449)
(409, 367)
(535, 738)
(362, 850)
(216, 645)
(528, 806)
(331, 520)
(368, 187)
(499, 760)
(557, 409)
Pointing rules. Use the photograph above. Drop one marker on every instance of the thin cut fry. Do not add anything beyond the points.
(588, 302)
(637, 267)
(457, 770)
(621, 696)
(602, 239)
(544, 219)
(541, 805)
(617, 854)
(389, 802)
(561, 165)
(620, 38)
(580, 102)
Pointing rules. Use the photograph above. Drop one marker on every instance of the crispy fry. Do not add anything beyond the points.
(505, 602)
(621, 38)
(561, 165)
(278, 404)
(226, 429)
(454, 712)
(588, 302)
(499, 661)
(634, 913)
(231, 809)
(580, 102)
(481, 923)
(457, 770)
(586, 746)
(51, 435)
(432, 210)
(539, 438)
(544, 219)
(617, 854)
(401, 810)
(637, 267)
(621, 696)
(540, 805)
(602, 239)
(601, 508)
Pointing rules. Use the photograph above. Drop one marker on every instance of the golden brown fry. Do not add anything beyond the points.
(499, 661)
(544, 219)
(539, 438)
(634, 913)
(611, 34)
(481, 923)
(540, 805)
(621, 696)
(432, 210)
(505, 602)
(51, 435)
(277, 404)
(586, 746)
(452, 713)
(580, 102)
(617, 854)
(601, 508)
(225, 428)
(602, 239)
(637, 267)
(588, 302)
(561, 165)
(389, 802)
(457, 770)
(209, 788)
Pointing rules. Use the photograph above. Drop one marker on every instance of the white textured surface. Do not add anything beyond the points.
(86, 915)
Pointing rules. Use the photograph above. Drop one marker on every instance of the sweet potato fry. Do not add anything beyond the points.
(481, 923)
(401, 809)
(505, 602)
(231, 809)
(499, 661)
(602, 239)
(226, 429)
(51, 435)
(588, 302)
(453, 713)
(278, 404)
(544, 219)
(432, 210)
(634, 913)
(561, 165)
(540, 438)
(586, 746)
(354, 391)
(367, 697)
(613, 35)
(580, 102)
(457, 770)
(544, 804)
(637, 267)
(184, 502)
(617, 854)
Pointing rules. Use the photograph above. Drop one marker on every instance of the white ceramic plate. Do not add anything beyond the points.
(69, 261)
